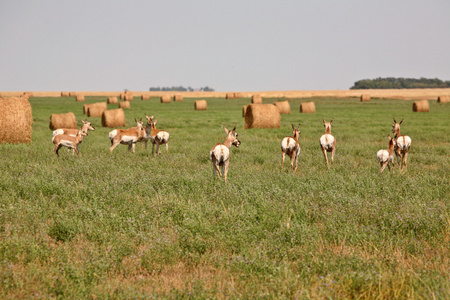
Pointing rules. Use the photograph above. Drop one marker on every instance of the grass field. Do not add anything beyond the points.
(140, 226)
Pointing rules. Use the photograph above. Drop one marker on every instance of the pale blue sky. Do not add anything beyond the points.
(230, 45)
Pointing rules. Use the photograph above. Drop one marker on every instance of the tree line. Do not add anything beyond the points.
(400, 83)
(181, 89)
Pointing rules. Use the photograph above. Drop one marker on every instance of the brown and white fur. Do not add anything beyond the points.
(64, 140)
(73, 132)
(291, 147)
(156, 136)
(385, 157)
(401, 145)
(220, 153)
(327, 141)
(127, 136)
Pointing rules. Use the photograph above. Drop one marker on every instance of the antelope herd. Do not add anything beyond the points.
(220, 153)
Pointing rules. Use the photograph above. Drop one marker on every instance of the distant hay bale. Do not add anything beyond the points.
(443, 99)
(124, 104)
(237, 95)
(102, 106)
(201, 105)
(421, 106)
(244, 109)
(15, 120)
(67, 120)
(122, 96)
(257, 99)
(284, 107)
(165, 99)
(307, 107)
(65, 94)
(72, 94)
(229, 96)
(128, 97)
(113, 118)
(178, 98)
(112, 100)
(80, 98)
(365, 98)
(145, 97)
(262, 116)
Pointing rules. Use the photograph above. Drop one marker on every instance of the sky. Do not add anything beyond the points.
(227, 45)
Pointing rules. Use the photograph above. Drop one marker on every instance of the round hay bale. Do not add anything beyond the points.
(65, 94)
(128, 97)
(95, 110)
(67, 120)
(229, 96)
(113, 118)
(237, 95)
(443, 99)
(365, 98)
(257, 99)
(145, 97)
(72, 94)
(112, 100)
(244, 109)
(124, 104)
(201, 105)
(102, 105)
(15, 120)
(178, 98)
(284, 107)
(122, 96)
(421, 106)
(307, 107)
(262, 116)
(80, 98)
(165, 99)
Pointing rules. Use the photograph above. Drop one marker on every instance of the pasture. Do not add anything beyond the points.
(133, 225)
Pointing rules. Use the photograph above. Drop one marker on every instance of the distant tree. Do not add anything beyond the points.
(400, 83)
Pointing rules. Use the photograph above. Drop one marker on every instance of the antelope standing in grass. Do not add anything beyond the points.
(401, 145)
(327, 141)
(156, 136)
(127, 136)
(385, 157)
(291, 147)
(220, 153)
(73, 132)
(64, 140)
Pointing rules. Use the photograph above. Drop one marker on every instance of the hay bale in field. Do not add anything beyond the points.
(257, 99)
(80, 98)
(421, 106)
(128, 97)
(284, 107)
(124, 104)
(102, 106)
(65, 94)
(262, 116)
(244, 109)
(365, 98)
(72, 94)
(112, 100)
(95, 110)
(145, 97)
(307, 107)
(229, 96)
(15, 120)
(67, 120)
(178, 98)
(165, 99)
(122, 96)
(443, 99)
(201, 105)
(237, 95)
(113, 118)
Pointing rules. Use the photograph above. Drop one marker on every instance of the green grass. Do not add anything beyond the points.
(140, 226)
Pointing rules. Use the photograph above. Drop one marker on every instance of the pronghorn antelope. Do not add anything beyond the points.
(64, 140)
(387, 156)
(327, 141)
(291, 147)
(73, 132)
(220, 153)
(156, 136)
(127, 136)
(401, 145)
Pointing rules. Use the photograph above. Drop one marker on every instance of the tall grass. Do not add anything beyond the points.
(139, 226)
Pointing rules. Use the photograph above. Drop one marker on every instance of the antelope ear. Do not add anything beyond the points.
(226, 130)
(298, 127)
(323, 120)
(331, 121)
(401, 122)
(394, 120)
(234, 128)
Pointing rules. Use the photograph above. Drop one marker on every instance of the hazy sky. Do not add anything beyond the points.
(228, 45)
